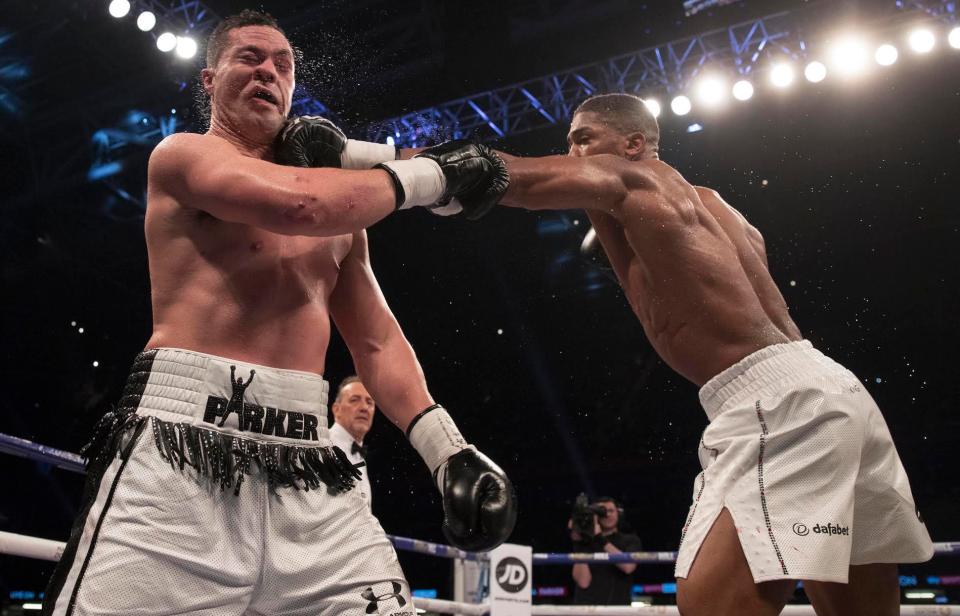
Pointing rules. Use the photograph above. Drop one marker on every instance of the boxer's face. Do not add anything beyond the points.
(252, 83)
(354, 410)
(590, 135)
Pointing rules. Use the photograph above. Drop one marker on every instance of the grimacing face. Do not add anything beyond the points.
(253, 80)
(354, 410)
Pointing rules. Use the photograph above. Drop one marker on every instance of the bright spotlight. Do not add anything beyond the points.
(922, 41)
(653, 106)
(849, 56)
(782, 75)
(681, 105)
(119, 8)
(815, 72)
(146, 21)
(886, 54)
(711, 90)
(186, 47)
(954, 38)
(166, 42)
(743, 90)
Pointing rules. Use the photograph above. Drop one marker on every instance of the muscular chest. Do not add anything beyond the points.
(241, 250)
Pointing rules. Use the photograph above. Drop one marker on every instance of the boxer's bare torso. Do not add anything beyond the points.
(235, 290)
(693, 269)
(695, 273)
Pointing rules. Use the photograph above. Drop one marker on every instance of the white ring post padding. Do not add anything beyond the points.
(30, 547)
(443, 606)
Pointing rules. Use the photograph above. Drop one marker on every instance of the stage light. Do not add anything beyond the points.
(119, 8)
(681, 105)
(146, 21)
(815, 72)
(954, 38)
(711, 90)
(186, 47)
(166, 42)
(782, 75)
(390, 140)
(743, 90)
(849, 56)
(653, 106)
(886, 54)
(922, 41)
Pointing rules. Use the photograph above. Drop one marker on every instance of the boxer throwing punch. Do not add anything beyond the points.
(795, 444)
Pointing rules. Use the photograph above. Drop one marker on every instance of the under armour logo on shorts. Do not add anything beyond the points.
(375, 600)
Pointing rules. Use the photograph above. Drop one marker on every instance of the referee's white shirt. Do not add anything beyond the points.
(342, 439)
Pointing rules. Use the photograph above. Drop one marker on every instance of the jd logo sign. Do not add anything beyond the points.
(511, 574)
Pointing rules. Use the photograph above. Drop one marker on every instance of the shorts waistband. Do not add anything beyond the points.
(236, 398)
(766, 372)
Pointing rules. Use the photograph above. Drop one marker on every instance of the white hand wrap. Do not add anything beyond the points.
(366, 155)
(436, 438)
(421, 179)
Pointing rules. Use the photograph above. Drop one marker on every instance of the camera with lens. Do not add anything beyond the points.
(582, 515)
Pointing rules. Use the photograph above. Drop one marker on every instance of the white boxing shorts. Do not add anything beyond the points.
(214, 490)
(799, 454)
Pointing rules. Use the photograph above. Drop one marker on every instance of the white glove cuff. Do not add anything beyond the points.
(436, 437)
(422, 181)
(366, 155)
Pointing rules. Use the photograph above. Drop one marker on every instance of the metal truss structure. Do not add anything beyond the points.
(185, 15)
(13, 70)
(668, 68)
(534, 104)
(547, 100)
(946, 11)
(138, 130)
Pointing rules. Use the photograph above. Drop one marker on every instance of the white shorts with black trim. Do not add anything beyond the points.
(799, 454)
(217, 493)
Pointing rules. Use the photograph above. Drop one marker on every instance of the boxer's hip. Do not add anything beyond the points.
(228, 418)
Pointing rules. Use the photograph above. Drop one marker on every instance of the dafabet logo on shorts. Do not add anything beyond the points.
(820, 529)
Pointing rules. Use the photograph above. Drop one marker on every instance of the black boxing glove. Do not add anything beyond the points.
(312, 141)
(473, 174)
(479, 503)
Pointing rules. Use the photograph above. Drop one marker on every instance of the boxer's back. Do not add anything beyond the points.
(235, 290)
(698, 279)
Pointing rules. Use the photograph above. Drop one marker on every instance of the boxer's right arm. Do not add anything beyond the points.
(208, 174)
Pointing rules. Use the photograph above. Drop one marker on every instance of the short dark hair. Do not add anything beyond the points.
(626, 114)
(217, 41)
(353, 378)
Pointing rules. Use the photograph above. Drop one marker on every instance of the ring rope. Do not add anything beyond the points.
(46, 549)
(73, 462)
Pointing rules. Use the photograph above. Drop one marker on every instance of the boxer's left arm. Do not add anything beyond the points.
(385, 361)
(478, 501)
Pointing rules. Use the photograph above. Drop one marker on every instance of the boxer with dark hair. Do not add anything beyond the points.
(213, 488)
(801, 479)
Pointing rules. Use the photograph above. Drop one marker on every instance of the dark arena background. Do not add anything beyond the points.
(852, 179)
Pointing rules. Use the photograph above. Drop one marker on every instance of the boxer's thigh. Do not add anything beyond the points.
(158, 540)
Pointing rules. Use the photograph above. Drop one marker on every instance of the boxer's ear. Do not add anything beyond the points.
(636, 146)
(206, 78)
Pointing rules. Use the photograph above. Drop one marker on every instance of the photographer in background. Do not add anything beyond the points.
(595, 528)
